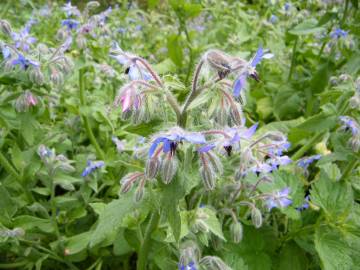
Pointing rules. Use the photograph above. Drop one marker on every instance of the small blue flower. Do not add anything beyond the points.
(279, 199)
(338, 33)
(279, 161)
(350, 124)
(305, 205)
(92, 166)
(171, 140)
(305, 162)
(240, 82)
(206, 148)
(121, 30)
(24, 63)
(22, 39)
(287, 6)
(71, 24)
(273, 19)
(189, 266)
(70, 10)
(6, 52)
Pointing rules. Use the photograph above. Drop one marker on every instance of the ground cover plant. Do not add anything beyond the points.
(179, 135)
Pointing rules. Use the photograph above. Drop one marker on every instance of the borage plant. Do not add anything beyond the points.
(247, 159)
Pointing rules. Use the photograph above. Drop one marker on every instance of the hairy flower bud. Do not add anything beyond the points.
(213, 263)
(36, 76)
(215, 161)
(236, 231)
(168, 168)
(219, 61)
(201, 226)
(256, 217)
(81, 41)
(128, 180)
(152, 167)
(25, 101)
(16, 232)
(5, 27)
(208, 176)
(139, 194)
(56, 77)
(92, 4)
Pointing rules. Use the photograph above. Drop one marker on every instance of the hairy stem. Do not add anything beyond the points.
(85, 119)
(348, 169)
(345, 12)
(293, 59)
(145, 247)
(299, 153)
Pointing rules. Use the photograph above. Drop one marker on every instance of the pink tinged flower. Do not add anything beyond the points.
(30, 99)
(126, 101)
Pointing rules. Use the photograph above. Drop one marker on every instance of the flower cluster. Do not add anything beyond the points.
(54, 162)
(91, 166)
(350, 124)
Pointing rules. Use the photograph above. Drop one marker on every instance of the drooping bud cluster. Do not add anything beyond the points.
(25, 101)
(213, 263)
(135, 98)
(16, 232)
(54, 162)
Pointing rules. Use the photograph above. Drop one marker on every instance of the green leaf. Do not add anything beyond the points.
(306, 27)
(77, 243)
(111, 217)
(175, 49)
(292, 257)
(335, 198)
(318, 123)
(7, 206)
(30, 223)
(170, 197)
(213, 223)
(334, 251)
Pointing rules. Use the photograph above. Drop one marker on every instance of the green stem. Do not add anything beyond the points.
(53, 208)
(8, 167)
(348, 169)
(299, 153)
(52, 254)
(145, 247)
(85, 119)
(345, 12)
(293, 59)
(13, 265)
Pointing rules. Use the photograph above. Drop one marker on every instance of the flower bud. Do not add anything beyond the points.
(152, 167)
(25, 101)
(36, 76)
(208, 176)
(128, 180)
(219, 61)
(236, 231)
(213, 263)
(5, 27)
(215, 161)
(56, 77)
(168, 168)
(256, 217)
(139, 194)
(92, 5)
(81, 41)
(201, 226)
